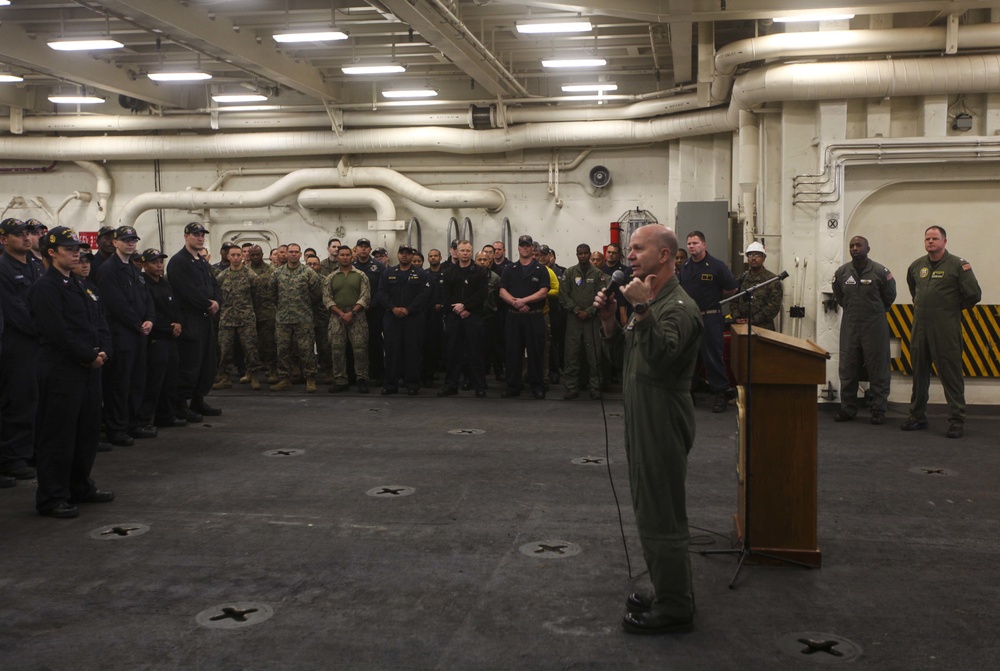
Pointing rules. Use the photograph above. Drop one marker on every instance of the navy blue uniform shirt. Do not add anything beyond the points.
(16, 279)
(521, 281)
(705, 280)
(408, 289)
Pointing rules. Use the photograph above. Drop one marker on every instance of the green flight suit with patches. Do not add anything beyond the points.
(660, 353)
(940, 291)
(865, 295)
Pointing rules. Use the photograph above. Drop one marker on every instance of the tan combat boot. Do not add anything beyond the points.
(225, 382)
(283, 385)
(254, 382)
(311, 385)
(272, 376)
(246, 378)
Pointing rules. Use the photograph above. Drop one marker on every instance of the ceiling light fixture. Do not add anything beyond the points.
(7, 78)
(75, 100)
(85, 45)
(800, 18)
(316, 36)
(599, 87)
(566, 26)
(239, 98)
(179, 76)
(4, 3)
(574, 62)
(372, 69)
(409, 93)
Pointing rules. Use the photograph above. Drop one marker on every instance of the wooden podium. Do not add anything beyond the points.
(776, 508)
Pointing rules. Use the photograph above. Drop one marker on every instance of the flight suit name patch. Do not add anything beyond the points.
(850, 280)
(937, 274)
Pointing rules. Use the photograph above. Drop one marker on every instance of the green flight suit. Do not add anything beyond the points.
(578, 287)
(940, 291)
(865, 295)
(660, 353)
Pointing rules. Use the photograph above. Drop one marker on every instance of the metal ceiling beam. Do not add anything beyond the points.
(17, 47)
(669, 11)
(239, 48)
(437, 25)
(681, 44)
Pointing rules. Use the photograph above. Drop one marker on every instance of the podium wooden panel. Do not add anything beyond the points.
(777, 483)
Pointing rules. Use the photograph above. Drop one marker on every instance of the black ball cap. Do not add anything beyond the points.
(12, 225)
(525, 241)
(405, 249)
(126, 233)
(363, 242)
(61, 236)
(105, 230)
(151, 254)
(37, 226)
(194, 227)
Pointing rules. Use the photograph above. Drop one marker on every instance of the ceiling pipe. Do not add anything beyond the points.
(315, 199)
(105, 187)
(371, 141)
(843, 42)
(639, 110)
(343, 175)
(868, 79)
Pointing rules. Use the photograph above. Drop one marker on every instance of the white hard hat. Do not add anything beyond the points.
(755, 247)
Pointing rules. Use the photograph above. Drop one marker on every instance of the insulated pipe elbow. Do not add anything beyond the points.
(314, 199)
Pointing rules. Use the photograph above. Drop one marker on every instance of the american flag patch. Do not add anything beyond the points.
(966, 266)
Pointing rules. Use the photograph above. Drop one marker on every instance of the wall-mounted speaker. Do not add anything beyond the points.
(600, 177)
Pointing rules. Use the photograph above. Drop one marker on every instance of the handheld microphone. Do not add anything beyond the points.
(617, 279)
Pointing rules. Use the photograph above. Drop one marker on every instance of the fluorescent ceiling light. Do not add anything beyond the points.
(178, 76)
(372, 69)
(599, 87)
(76, 100)
(85, 45)
(239, 98)
(4, 3)
(574, 62)
(325, 36)
(8, 78)
(567, 26)
(800, 18)
(409, 93)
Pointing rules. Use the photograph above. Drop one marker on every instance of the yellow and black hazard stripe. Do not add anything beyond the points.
(980, 340)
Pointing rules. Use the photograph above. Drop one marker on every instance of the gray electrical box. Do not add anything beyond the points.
(711, 217)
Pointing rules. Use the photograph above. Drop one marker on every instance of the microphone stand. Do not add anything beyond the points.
(745, 550)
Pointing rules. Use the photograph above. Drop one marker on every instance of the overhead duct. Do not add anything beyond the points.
(315, 199)
(345, 176)
(370, 141)
(844, 42)
(868, 79)
(639, 110)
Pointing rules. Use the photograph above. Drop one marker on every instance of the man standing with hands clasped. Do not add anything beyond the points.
(942, 285)
(660, 347)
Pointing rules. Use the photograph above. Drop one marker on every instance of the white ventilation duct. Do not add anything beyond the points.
(639, 110)
(370, 141)
(844, 42)
(104, 187)
(868, 79)
(316, 199)
(345, 176)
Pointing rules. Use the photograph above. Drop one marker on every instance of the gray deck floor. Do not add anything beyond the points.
(435, 579)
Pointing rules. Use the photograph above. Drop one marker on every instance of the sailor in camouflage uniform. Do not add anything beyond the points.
(296, 289)
(266, 309)
(767, 301)
(238, 319)
(347, 294)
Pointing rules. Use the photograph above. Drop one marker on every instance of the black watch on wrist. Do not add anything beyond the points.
(640, 308)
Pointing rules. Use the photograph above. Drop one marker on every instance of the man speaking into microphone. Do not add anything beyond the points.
(660, 348)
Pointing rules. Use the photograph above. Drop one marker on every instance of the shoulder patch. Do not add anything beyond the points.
(966, 265)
